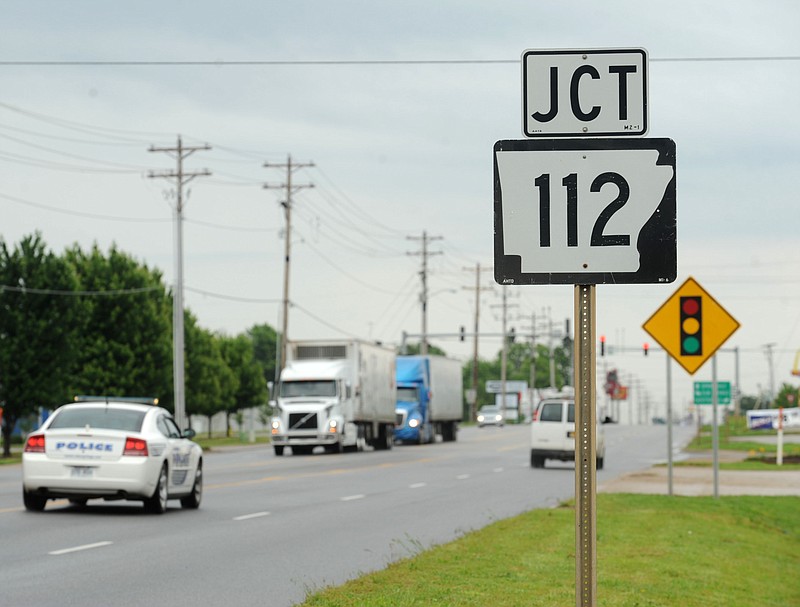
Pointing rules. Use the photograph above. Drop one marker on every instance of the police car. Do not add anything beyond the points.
(112, 449)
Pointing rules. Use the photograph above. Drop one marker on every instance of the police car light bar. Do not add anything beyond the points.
(144, 400)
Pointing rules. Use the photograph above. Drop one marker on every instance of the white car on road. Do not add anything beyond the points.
(112, 449)
(553, 433)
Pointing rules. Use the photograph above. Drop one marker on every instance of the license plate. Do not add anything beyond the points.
(82, 472)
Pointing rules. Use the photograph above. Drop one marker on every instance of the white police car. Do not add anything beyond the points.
(113, 449)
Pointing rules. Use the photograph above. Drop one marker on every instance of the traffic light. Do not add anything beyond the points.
(646, 348)
(602, 345)
(461, 334)
(692, 326)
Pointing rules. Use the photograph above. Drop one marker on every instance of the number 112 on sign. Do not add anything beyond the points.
(585, 211)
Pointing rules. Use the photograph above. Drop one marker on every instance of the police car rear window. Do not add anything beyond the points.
(99, 417)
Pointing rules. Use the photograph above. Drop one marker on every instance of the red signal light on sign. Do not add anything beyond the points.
(691, 330)
(602, 345)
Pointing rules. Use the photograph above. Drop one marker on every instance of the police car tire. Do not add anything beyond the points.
(193, 499)
(34, 503)
(157, 503)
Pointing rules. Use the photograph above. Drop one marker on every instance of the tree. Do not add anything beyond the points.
(210, 383)
(251, 387)
(126, 347)
(40, 320)
(787, 397)
(264, 339)
(415, 349)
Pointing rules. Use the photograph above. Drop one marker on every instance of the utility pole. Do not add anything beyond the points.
(768, 352)
(478, 290)
(290, 189)
(179, 152)
(423, 298)
(504, 352)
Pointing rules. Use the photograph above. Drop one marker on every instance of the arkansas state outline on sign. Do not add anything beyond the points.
(579, 215)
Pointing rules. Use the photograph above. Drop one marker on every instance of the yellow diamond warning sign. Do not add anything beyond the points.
(691, 325)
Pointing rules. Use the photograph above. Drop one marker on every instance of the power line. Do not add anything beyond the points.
(33, 291)
(47, 207)
(346, 62)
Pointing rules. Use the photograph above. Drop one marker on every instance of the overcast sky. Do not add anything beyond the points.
(397, 105)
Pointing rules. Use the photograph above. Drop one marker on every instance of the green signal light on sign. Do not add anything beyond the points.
(691, 329)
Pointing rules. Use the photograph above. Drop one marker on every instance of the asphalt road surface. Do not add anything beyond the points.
(271, 529)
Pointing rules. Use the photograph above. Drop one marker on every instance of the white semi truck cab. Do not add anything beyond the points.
(338, 395)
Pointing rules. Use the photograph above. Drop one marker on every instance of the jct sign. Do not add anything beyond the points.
(586, 93)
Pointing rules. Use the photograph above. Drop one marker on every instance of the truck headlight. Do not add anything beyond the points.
(413, 422)
(276, 426)
(333, 426)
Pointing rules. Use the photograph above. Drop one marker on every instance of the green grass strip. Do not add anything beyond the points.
(651, 551)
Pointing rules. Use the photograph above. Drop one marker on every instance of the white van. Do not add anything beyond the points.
(553, 432)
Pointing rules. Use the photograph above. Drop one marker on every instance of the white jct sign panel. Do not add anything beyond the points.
(586, 93)
(585, 211)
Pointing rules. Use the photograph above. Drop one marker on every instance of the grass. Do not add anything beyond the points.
(760, 456)
(651, 551)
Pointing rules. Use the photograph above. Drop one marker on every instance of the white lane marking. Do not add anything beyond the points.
(79, 548)
(497, 470)
(246, 517)
(417, 485)
(462, 477)
(350, 498)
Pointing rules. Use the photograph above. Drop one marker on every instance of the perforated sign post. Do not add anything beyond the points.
(573, 205)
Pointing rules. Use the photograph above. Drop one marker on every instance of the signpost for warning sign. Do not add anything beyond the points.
(691, 326)
(573, 205)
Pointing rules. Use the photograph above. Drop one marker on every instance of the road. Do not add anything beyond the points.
(271, 529)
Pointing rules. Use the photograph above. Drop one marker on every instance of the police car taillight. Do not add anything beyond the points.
(35, 444)
(135, 446)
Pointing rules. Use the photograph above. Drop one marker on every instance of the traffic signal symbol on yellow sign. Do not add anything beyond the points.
(691, 325)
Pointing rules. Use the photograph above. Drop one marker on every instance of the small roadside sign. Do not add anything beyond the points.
(691, 325)
(581, 211)
(495, 386)
(703, 394)
(584, 93)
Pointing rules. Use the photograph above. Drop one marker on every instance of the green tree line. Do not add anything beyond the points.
(89, 322)
(100, 323)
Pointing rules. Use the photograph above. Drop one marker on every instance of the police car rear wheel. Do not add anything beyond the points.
(157, 503)
(34, 503)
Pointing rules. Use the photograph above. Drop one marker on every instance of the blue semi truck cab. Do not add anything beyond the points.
(429, 398)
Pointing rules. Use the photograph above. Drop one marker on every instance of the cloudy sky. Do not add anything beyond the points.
(397, 105)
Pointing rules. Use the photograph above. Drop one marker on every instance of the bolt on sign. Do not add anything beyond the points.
(691, 325)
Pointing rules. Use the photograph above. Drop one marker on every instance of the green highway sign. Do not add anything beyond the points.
(703, 396)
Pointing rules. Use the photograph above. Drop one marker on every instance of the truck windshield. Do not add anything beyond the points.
(290, 389)
(408, 394)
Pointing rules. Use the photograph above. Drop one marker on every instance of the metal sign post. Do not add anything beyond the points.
(585, 447)
(715, 424)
